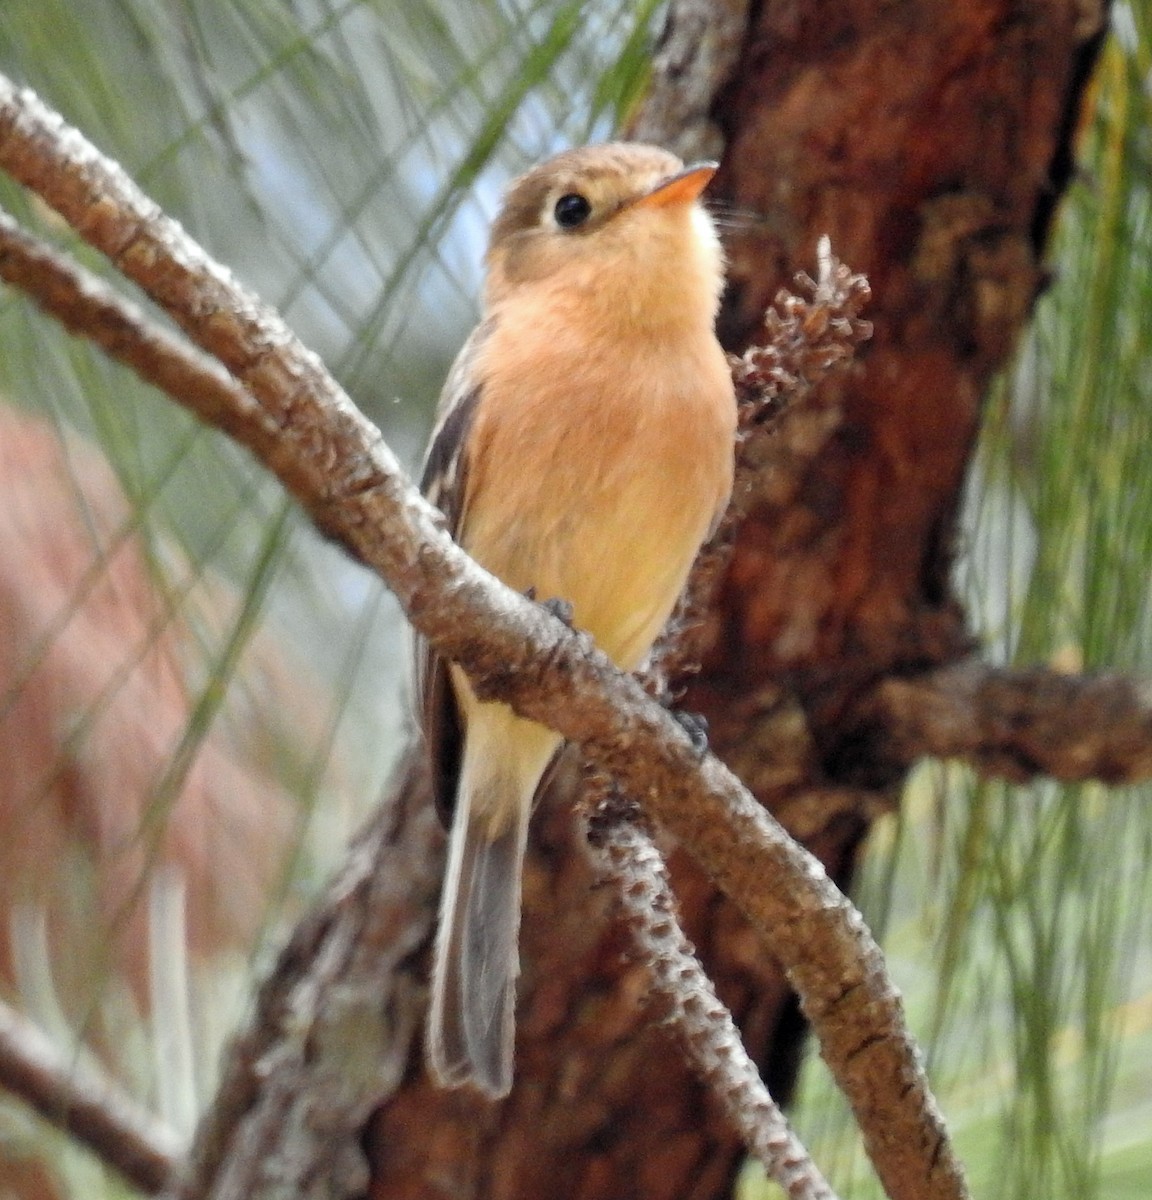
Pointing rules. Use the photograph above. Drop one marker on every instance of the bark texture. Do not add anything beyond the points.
(931, 142)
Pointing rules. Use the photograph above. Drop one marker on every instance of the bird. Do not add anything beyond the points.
(582, 452)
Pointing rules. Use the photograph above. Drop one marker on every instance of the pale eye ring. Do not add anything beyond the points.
(571, 210)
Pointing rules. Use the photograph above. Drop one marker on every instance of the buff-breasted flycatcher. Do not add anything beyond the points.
(583, 452)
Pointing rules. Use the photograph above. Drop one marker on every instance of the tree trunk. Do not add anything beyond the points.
(931, 142)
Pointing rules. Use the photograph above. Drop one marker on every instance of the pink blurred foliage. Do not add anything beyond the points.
(93, 702)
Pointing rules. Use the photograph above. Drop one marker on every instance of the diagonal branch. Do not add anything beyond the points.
(87, 1106)
(335, 462)
(88, 307)
(85, 305)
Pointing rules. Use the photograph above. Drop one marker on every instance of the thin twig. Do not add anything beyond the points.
(808, 335)
(625, 855)
(88, 1106)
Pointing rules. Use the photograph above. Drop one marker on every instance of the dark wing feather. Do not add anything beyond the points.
(444, 482)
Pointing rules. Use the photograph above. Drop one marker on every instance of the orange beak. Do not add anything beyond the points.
(681, 188)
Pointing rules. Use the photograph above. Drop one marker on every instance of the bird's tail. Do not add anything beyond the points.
(471, 1030)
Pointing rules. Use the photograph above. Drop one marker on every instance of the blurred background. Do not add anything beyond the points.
(200, 699)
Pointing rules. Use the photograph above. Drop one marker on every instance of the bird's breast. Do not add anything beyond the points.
(597, 471)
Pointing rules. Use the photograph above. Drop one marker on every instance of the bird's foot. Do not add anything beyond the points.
(695, 725)
(560, 609)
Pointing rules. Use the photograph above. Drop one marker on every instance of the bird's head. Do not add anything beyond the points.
(619, 227)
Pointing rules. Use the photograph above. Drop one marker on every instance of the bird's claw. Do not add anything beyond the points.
(695, 725)
(560, 609)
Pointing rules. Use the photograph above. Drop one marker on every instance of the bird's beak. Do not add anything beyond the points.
(681, 188)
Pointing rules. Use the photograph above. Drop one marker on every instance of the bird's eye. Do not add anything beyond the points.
(571, 210)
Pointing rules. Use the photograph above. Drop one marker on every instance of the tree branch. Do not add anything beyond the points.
(335, 462)
(91, 1108)
(1016, 723)
(87, 307)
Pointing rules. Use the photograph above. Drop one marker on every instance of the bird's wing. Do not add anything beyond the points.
(444, 482)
